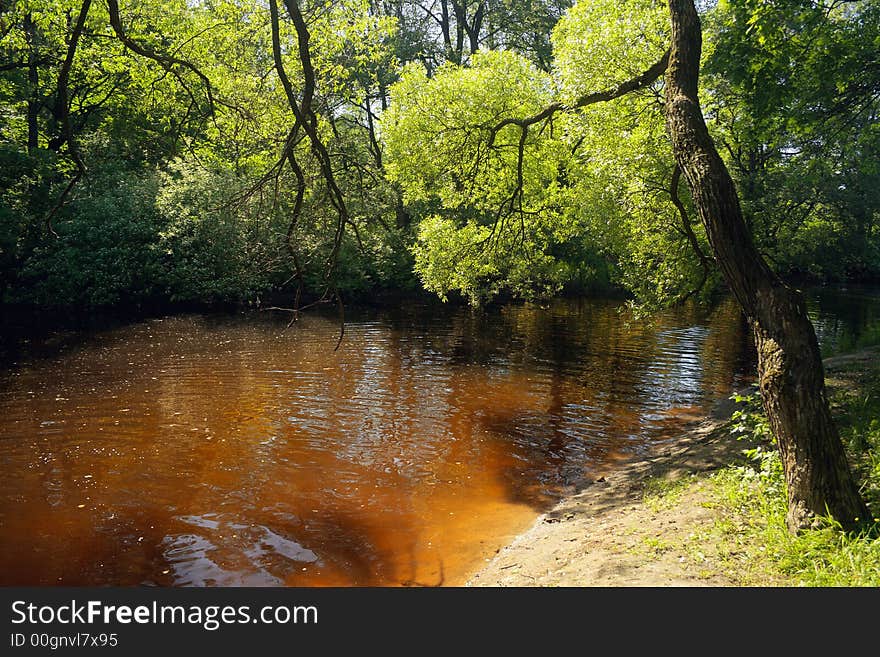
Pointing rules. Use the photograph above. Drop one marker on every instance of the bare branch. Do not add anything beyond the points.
(291, 227)
(306, 116)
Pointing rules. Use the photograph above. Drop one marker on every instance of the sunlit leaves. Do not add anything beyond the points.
(601, 43)
(795, 88)
(595, 181)
(436, 130)
(450, 257)
(496, 211)
(523, 207)
(350, 45)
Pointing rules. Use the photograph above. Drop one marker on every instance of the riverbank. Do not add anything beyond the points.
(670, 519)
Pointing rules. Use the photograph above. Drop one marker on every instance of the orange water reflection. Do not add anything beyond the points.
(208, 450)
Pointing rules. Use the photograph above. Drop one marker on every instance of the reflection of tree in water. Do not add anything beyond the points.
(606, 387)
(846, 319)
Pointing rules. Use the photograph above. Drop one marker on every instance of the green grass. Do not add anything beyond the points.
(753, 542)
(663, 493)
(653, 547)
(754, 530)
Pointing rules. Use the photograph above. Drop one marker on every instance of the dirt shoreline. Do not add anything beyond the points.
(608, 534)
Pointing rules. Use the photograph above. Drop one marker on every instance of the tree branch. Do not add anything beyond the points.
(305, 114)
(688, 231)
(168, 62)
(641, 81)
(514, 201)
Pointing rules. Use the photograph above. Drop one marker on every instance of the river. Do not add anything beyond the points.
(233, 449)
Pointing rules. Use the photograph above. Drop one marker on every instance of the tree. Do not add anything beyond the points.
(486, 158)
(183, 98)
(790, 373)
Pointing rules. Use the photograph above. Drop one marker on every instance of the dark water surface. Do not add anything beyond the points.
(232, 450)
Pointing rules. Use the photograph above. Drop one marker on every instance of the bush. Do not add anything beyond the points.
(105, 251)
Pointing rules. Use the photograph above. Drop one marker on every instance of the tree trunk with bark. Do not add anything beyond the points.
(791, 377)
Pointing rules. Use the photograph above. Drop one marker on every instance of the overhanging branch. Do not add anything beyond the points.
(641, 81)
(514, 202)
(168, 62)
(62, 110)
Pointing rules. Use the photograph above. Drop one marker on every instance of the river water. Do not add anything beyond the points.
(200, 449)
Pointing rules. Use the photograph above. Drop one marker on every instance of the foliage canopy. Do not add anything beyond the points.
(144, 147)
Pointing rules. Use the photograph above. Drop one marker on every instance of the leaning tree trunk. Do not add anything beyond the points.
(792, 382)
